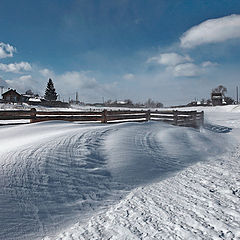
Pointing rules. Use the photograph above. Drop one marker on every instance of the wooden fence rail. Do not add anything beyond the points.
(179, 118)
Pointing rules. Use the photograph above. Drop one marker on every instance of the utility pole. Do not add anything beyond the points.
(237, 93)
(76, 97)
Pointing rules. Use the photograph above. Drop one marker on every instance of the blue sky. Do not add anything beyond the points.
(170, 51)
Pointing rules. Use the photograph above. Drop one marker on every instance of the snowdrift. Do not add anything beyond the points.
(54, 174)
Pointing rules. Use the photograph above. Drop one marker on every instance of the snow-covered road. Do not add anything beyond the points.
(54, 174)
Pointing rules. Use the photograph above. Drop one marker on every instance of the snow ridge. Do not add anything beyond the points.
(202, 202)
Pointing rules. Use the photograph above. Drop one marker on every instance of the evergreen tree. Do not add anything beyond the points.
(50, 92)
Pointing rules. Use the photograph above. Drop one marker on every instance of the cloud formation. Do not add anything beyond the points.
(209, 64)
(71, 79)
(15, 67)
(2, 83)
(22, 83)
(169, 59)
(212, 31)
(6, 50)
(76, 80)
(46, 73)
(187, 70)
(129, 76)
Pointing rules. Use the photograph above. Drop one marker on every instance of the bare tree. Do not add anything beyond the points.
(220, 89)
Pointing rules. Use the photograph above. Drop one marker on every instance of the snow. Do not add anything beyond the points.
(201, 202)
(150, 180)
(14, 122)
(34, 100)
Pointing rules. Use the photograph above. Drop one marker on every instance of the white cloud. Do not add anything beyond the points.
(72, 79)
(89, 89)
(76, 80)
(169, 59)
(209, 64)
(25, 78)
(6, 50)
(187, 70)
(15, 67)
(212, 31)
(129, 76)
(2, 83)
(22, 83)
(46, 72)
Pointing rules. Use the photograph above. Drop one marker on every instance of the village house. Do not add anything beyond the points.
(12, 96)
(217, 98)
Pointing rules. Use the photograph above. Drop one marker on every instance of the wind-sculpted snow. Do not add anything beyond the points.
(200, 202)
(140, 153)
(54, 174)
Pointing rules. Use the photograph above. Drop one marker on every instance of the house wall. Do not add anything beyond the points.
(11, 97)
(216, 102)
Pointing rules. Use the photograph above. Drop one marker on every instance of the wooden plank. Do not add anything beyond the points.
(14, 113)
(122, 117)
(127, 112)
(163, 120)
(70, 113)
(185, 117)
(161, 116)
(121, 121)
(14, 117)
(186, 112)
(13, 124)
(66, 118)
(125, 115)
(162, 112)
(172, 111)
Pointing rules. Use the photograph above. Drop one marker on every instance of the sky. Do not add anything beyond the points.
(168, 50)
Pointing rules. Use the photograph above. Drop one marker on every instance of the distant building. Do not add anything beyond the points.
(217, 98)
(12, 96)
(34, 101)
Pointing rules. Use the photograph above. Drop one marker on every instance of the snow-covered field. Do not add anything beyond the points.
(147, 180)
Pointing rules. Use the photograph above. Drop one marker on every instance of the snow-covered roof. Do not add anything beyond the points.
(121, 102)
(34, 100)
(11, 90)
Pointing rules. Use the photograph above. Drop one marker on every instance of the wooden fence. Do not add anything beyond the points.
(179, 118)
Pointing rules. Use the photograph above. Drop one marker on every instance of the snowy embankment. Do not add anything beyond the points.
(122, 181)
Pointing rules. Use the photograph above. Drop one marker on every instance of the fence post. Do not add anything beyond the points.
(33, 113)
(194, 119)
(104, 116)
(175, 117)
(202, 118)
(148, 115)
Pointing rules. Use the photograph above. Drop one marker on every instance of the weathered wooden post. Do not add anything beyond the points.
(33, 113)
(202, 118)
(175, 117)
(148, 115)
(104, 116)
(194, 119)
